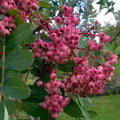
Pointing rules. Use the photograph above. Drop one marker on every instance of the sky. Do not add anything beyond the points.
(102, 18)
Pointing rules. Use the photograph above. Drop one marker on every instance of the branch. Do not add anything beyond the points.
(3, 68)
(90, 55)
(27, 75)
(115, 37)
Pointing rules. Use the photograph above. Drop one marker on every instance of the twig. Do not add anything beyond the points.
(39, 24)
(3, 68)
(20, 108)
(90, 55)
(74, 53)
(27, 75)
(115, 37)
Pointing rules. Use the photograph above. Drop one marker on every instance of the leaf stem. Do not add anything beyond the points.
(3, 67)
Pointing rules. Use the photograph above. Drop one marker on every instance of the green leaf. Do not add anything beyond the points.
(109, 10)
(73, 110)
(19, 34)
(67, 67)
(11, 106)
(45, 14)
(18, 19)
(36, 98)
(85, 102)
(39, 90)
(100, 2)
(31, 108)
(40, 63)
(85, 114)
(30, 39)
(117, 68)
(35, 110)
(92, 114)
(44, 4)
(16, 88)
(35, 72)
(88, 114)
(10, 73)
(64, 116)
(2, 109)
(19, 61)
(113, 46)
(13, 47)
(107, 47)
(117, 50)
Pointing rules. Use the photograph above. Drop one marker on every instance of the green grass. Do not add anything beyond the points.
(107, 107)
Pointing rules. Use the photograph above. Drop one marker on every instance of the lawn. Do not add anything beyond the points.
(107, 107)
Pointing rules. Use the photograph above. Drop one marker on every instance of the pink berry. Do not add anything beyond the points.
(53, 115)
(101, 34)
(39, 83)
(58, 19)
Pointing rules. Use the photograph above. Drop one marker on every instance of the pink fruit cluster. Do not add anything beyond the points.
(102, 41)
(91, 80)
(62, 39)
(6, 25)
(26, 7)
(7, 5)
(63, 45)
(54, 103)
(52, 52)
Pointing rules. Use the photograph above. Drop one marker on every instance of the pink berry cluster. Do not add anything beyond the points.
(62, 39)
(54, 103)
(52, 52)
(62, 44)
(6, 5)
(102, 41)
(26, 7)
(6, 25)
(53, 85)
(91, 80)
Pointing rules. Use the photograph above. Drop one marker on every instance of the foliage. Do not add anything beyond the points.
(41, 39)
(106, 4)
